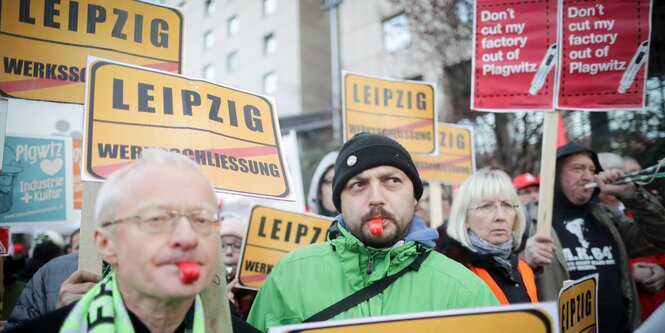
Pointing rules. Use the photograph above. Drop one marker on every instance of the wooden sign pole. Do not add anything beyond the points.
(436, 212)
(89, 259)
(547, 174)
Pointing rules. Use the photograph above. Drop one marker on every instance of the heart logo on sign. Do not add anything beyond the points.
(51, 167)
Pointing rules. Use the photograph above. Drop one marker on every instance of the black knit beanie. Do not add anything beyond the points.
(365, 151)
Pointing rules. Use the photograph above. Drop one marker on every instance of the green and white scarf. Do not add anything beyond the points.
(102, 310)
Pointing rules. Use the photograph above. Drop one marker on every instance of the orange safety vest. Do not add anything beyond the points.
(527, 279)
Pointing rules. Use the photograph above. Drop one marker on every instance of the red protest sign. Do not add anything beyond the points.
(604, 51)
(4, 241)
(514, 55)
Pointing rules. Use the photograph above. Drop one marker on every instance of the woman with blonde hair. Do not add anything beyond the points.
(485, 233)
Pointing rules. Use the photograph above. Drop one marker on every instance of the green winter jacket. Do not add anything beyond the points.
(312, 278)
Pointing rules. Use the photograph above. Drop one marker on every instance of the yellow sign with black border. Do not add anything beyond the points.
(520, 318)
(578, 305)
(401, 109)
(232, 135)
(271, 234)
(456, 160)
(44, 44)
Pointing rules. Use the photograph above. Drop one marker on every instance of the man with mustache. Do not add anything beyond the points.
(375, 187)
(588, 237)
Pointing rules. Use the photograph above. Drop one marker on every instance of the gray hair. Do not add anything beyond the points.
(485, 184)
(610, 161)
(113, 190)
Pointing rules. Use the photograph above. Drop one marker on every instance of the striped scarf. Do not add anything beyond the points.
(102, 310)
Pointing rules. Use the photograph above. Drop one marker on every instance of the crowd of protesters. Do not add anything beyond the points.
(381, 247)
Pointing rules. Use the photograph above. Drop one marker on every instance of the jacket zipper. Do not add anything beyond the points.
(370, 264)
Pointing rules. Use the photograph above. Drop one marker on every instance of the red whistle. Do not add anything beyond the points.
(376, 225)
(189, 271)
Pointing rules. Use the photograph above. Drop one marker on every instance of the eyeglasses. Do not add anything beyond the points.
(158, 222)
(235, 247)
(490, 208)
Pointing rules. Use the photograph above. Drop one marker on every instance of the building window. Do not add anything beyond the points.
(209, 72)
(210, 7)
(269, 44)
(232, 62)
(208, 40)
(396, 33)
(233, 25)
(269, 7)
(270, 83)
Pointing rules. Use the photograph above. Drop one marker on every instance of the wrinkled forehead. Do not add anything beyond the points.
(583, 158)
(168, 187)
(379, 172)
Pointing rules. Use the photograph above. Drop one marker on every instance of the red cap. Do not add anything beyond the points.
(19, 248)
(524, 180)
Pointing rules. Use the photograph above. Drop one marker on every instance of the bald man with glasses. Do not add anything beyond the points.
(157, 229)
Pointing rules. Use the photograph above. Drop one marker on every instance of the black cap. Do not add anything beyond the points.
(365, 151)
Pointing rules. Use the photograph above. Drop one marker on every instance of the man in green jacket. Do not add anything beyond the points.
(376, 187)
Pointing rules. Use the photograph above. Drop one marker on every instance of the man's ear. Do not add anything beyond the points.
(105, 244)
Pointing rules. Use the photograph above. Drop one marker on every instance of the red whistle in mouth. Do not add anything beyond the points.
(189, 271)
(376, 225)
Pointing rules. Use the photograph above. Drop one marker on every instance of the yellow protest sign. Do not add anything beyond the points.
(578, 304)
(401, 109)
(456, 160)
(44, 44)
(231, 134)
(520, 318)
(271, 234)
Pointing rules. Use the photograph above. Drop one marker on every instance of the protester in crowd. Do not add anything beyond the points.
(43, 292)
(485, 232)
(232, 231)
(376, 187)
(589, 238)
(611, 161)
(15, 262)
(630, 164)
(12, 288)
(648, 271)
(527, 186)
(423, 208)
(319, 197)
(46, 246)
(74, 238)
(158, 231)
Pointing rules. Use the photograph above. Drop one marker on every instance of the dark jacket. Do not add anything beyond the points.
(505, 280)
(41, 293)
(644, 236)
